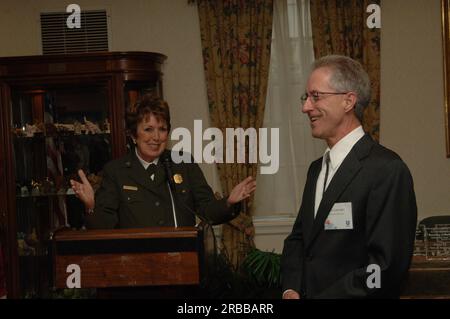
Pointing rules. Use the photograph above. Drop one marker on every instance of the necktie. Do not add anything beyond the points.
(327, 163)
(151, 170)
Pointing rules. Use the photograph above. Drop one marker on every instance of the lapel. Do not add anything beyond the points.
(160, 176)
(309, 196)
(344, 175)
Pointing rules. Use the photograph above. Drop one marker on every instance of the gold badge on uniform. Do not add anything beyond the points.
(178, 178)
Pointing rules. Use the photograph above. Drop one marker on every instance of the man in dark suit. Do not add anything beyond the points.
(354, 234)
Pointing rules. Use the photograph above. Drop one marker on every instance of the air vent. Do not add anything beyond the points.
(57, 38)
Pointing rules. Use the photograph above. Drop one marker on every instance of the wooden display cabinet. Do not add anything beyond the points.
(59, 113)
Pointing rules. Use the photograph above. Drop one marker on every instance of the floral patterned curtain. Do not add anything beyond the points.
(340, 27)
(236, 37)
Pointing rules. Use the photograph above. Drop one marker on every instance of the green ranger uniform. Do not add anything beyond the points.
(129, 198)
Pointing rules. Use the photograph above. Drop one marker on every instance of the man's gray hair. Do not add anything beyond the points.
(348, 75)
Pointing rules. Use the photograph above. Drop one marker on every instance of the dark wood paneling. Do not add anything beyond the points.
(48, 65)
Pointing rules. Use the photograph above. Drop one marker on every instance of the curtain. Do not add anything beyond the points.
(236, 39)
(340, 27)
(291, 59)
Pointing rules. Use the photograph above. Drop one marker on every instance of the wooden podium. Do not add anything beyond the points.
(163, 256)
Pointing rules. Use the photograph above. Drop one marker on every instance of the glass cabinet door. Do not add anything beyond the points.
(56, 132)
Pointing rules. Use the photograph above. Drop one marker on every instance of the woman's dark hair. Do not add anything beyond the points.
(148, 104)
(348, 75)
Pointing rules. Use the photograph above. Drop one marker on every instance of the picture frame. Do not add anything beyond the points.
(445, 7)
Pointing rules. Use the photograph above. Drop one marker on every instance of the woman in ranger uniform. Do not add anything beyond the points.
(145, 188)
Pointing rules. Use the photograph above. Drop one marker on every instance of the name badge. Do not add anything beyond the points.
(340, 217)
(130, 188)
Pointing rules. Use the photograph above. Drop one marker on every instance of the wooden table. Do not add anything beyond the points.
(428, 279)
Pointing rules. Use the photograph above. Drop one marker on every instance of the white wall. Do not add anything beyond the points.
(412, 97)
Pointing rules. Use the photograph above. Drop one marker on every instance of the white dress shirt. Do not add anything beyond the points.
(337, 155)
(145, 163)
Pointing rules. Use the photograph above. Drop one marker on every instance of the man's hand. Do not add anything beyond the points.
(242, 191)
(84, 190)
(291, 294)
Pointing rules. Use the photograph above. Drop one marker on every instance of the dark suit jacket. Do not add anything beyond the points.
(128, 198)
(320, 263)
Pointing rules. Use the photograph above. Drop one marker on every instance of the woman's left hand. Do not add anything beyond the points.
(242, 191)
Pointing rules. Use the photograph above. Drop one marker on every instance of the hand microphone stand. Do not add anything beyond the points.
(204, 224)
(167, 162)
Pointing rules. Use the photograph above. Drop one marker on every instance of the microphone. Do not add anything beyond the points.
(167, 163)
(205, 226)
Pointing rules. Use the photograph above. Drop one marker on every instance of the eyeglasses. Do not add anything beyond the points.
(315, 95)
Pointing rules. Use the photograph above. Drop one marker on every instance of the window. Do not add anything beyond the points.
(291, 58)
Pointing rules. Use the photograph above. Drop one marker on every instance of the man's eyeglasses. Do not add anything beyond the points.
(315, 95)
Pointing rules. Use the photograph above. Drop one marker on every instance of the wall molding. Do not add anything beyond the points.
(271, 231)
(273, 225)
